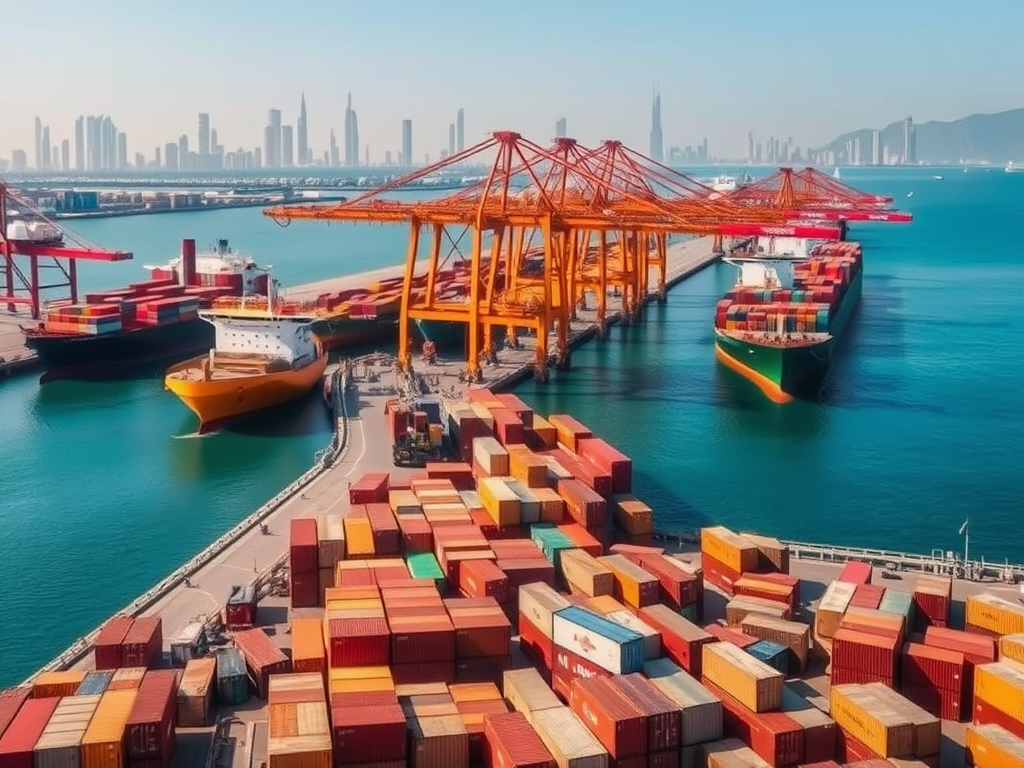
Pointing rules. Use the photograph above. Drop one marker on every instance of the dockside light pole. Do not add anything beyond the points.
(967, 540)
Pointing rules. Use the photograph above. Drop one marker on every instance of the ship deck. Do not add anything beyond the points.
(782, 340)
(227, 367)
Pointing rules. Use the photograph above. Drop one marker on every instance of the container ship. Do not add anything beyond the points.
(265, 354)
(147, 321)
(779, 326)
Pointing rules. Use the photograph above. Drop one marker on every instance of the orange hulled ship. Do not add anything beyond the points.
(265, 354)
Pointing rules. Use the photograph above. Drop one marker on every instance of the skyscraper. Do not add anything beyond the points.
(287, 147)
(407, 143)
(272, 140)
(204, 140)
(334, 156)
(909, 142)
(39, 145)
(750, 147)
(171, 156)
(80, 144)
(65, 155)
(657, 151)
(92, 142)
(303, 136)
(351, 135)
(876, 147)
(460, 130)
(183, 164)
(122, 150)
(560, 128)
(45, 153)
(451, 139)
(108, 144)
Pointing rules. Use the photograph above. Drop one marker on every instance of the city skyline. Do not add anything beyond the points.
(153, 88)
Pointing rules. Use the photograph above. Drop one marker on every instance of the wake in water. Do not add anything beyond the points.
(196, 434)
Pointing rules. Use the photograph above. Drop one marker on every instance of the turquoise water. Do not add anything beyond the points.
(921, 423)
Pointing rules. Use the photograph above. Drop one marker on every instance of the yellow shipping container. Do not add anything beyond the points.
(195, 692)
(60, 683)
(527, 467)
(585, 574)
(552, 506)
(544, 431)
(632, 515)
(1011, 648)
(103, 744)
(990, 746)
(1001, 685)
(730, 549)
(500, 501)
(358, 537)
(750, 681)
(360, 680)
(994, 614)
(629, 579)
(604, 604)
(463, 692)
(877, 727)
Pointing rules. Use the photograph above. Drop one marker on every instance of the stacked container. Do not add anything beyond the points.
(511, 742)
(977, 649)
(876, 722)
(355, 629)
(634, 586)
(620, 727)
(999, 695)
(700, 710)
(149, 732)
(792, 635)
(437, 734)
(483, 639)
(304, 563)
(61, 740)
(932, 598)
(538, 604)
(367, 727)
(330, 536)
(682, 641)
(990, 746)
(726, 556)
(297, 723)
(143, 643)
(933, 678)
(20, 738)
(57, 683)
(195, 692)
(526, 691)
(308, 653)
(681, 590)
(777, 587)
(232, 678)
(107, 650)
(831, 608)
(103, 744)
(993, 616)
(422, 635)
(262, 658)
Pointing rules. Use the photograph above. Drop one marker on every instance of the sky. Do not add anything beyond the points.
(783, 68)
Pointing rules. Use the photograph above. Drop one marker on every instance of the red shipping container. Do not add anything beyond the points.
(586, 472)
(11, 700)
(535, 644)
(933, 667)
(511, 742)
(856, 572)
(582, 538)
(304, 550)
(19, 740)
(867, 596)
(370, 488)
(569, 666)
(107, 651)
(356, 577)
(663, 716)
(426, 672)
(730, 635)
(362, 699)
(368, 734)
(584, 505)
(747, 586)
(520, 572)
(613, 719)
(939, 702)
(460, 474)
(977, 649)
(386, 535)
(262, 658)
(986, 714)
(681, 640)
(849, 750)
(149, 732)
(143, 643)
(508, 428)
(482, 578)
(304, 589)
(678, 586)
(719, 574)
(930, 607)
(854, 651)
(417, 535)
(427, 638)
(515, 549)
(484, 669)
(517, 406)
(774, 736)
(669, 759)
(609, 460)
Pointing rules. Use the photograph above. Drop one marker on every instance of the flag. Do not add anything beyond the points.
(963, 528)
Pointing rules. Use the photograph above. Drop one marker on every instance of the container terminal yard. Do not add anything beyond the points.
(480, 610)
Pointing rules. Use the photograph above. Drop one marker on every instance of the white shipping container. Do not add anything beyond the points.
(59, 745)
(700, 709)
(652, 638)
(593, 646)
(190, 643)
(538, 603)
(490, 455)
(569, 741)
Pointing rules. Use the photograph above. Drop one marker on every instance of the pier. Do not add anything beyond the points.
(15, 357)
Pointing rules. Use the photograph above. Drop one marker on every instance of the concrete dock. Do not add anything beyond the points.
(14, 355)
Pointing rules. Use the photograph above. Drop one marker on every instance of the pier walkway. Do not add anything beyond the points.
(14, 355)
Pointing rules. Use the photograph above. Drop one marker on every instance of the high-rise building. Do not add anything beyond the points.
(351, 135)
(287, 147)
(19, 161)
(157, 161)
(140, 161)
(204, 140)
(272, 140)
(909, 142)
(122, 150)
(560, 128)
(304, 154)
(108, 144)
(460, 130)
(92, 140)
(407, 143)
(451, 139)
(876, 147)
(39, 145)
(171, 157)
(80, 144)
(45, 154)
(183, 164)
(750, 147)
(657, 151)
(65, 155)
(334, 157)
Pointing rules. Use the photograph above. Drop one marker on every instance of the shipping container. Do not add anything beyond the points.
(739, 608)
(57, 683)
(861, 715)
(933, 678)
(681, 640)
(613, 719)
(127, 679)
(583, 504)
(308, 654)
(19, 740)
(369, 734)
(103, 743)
(773, 554)
(189, 643)
(679, 587)
(195, 692)
(773, 736)
(232, 678)
(491, 456)
(568, 740)
(610, 460)
(731, 635)
(652, 637)
(701, 711)
(632, 515)
(526, 692)
(482, 630)
(371, 487)
(586, 575)
(994, 615)
(149, 732)
(330, 536)
(438, 742)
(11, 700)
(304, 549)
(539, 603)
(870, 657)
(660, 712)
(1011, 648)
(731, 753)
(569, 431)
(240, 610)
(990, 746)
(143, 643)
(791, 634)
(511, 742)
(755, 585)
(819, 729)
(729, 548)
(856, 572)
(718, 574)
(61, 740)
(1001, 684)
(262, 658)
(751, 682)
(107, 651)
(932, 598)
(832, 607)
(611, 646)
(927, 727)
(633, 585)
(95, 683)
(771, 653)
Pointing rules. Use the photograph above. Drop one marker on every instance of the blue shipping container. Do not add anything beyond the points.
(95, 683)
(232, 677)
(773, 654)
(630, 643)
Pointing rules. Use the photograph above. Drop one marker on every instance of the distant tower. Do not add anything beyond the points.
(351, 135)
(204, 139)
(407, 143)
(460, 130)
(272, 140)
(334, 158)
(45, 154)
(750, 147)
(657, 151)
(451, 139)
(560, 128)
(287, 146)
(80, 144)
(876, 147)
(302, 136)
(39, 145)
(909, 142)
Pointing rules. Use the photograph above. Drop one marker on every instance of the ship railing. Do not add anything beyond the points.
(323, 460)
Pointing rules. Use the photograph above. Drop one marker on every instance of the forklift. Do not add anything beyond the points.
(414, 449)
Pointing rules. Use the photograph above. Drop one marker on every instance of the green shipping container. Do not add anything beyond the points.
(424, 565)
(552, 542)
(900, 603)
(232, 678)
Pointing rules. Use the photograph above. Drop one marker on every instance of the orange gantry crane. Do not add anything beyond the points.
(31, 247)
(544, 226)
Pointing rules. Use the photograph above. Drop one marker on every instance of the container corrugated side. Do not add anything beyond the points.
(585, 574)
(11, 700)
(149, 734)
(527, 692)
(59, 745)
(681, 639)
(103, 742)
(729, 548)
(330, 532)
(831, 607)
(308, 653)
(1011, 648)
(609, 645)
(748, 680)
(731, 753)
(195, 692)
(568, 740)
(701, 710)
(512, 742)
(633, 585)
(859, 714)
(652, 638)
(438, 742)
(20, 738)
(619, 725)
(994, 614)
(1001, 684)
(127, 678)
(990, 746)
(927, 727)
(538, 603)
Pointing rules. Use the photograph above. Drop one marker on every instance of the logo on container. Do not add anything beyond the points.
(589, 714)
(584, 642)
(784, 231)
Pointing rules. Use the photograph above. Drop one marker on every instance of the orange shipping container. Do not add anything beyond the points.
(585, 574)
(730, 549)
(633, 585)
(103, 744)
(994, 615)
(527, 467)
(308, 654)
(750, 681)
(195, 692)
(990, 746)
(1011, 648)
(1001, 685)
(568, 429)
(632, 515)
(358, 537)
(60, 683)
(882, 729)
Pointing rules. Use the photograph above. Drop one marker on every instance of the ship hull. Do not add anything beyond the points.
(782, 371)
(71, 356)
(347, 331)
(219, 401)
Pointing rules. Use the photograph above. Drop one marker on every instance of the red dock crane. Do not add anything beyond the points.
(31, 245)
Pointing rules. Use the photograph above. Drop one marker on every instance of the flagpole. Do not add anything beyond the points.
(967, 540)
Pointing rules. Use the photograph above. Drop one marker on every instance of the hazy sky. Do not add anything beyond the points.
(785, 67)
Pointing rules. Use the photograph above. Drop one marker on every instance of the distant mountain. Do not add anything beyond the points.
(996, 139)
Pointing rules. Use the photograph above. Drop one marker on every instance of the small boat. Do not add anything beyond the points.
(266, 354)
(937, 178)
